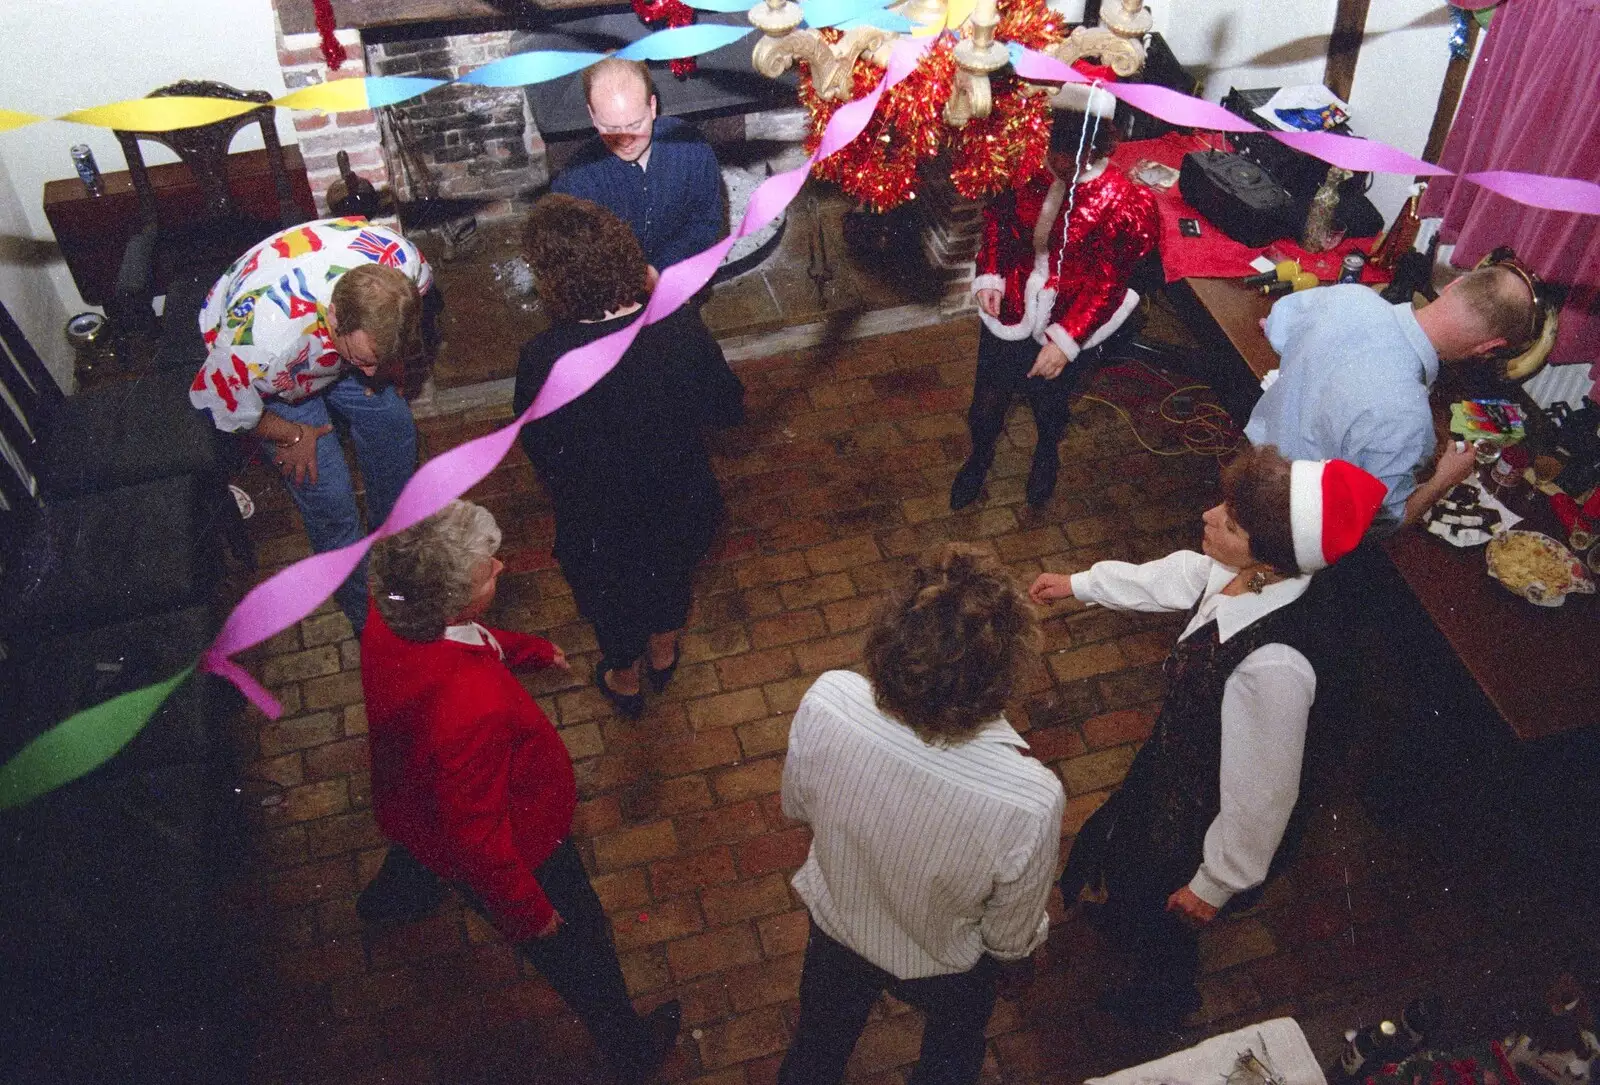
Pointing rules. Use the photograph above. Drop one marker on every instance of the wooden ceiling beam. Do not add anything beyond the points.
(1344, 46)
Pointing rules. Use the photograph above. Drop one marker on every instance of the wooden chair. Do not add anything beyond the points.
(183, 260)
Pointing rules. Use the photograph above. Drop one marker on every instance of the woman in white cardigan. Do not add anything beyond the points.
(1208, 797)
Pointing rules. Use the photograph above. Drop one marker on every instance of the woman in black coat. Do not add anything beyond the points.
(636, 504)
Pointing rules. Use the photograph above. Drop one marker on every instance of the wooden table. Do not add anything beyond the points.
(93, 231)
(1539, 667)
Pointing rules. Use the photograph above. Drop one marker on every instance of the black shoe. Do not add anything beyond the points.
(662, 1026)
(1150, 1005)
(969, 481)
(659, 679)
(404, 891)
(1042, 474)
(630, 705)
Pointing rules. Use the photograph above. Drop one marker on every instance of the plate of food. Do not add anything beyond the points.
(1537, 567)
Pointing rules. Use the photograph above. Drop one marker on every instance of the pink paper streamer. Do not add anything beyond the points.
(1179, 109)
(1040, 67)
(1538, 190)
(292, 593)
(1357, 154)
(1169, 105)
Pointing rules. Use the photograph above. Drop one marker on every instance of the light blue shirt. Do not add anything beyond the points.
(1353, 385)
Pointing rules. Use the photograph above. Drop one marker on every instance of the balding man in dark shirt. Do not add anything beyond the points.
(657, 174)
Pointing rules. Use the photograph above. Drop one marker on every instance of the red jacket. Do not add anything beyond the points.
(467, 771)
(1076, 294)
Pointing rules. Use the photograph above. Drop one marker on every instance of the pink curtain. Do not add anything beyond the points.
(1532, 104)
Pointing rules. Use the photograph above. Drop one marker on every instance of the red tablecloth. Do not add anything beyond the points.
(1215, 255)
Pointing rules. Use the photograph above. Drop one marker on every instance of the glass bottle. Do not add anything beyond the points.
(1320, 233)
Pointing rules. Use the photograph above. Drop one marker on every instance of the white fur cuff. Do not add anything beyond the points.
(1069, 346)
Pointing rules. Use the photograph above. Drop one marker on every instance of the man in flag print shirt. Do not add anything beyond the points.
(317, 321)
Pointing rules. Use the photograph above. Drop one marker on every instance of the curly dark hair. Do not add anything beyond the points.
(948, 652)
(1255, 487)
(585, 260)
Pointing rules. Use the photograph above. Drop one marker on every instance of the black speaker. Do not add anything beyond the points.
(1239, 197)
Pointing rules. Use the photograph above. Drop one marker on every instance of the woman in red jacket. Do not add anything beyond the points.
(471, 781)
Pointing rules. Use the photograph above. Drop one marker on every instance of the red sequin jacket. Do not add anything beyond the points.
(467, 771)
(1079, 296)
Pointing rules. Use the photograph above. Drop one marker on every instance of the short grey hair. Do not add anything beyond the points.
(421, 577)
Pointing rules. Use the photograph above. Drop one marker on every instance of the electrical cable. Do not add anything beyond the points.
(1207, 431)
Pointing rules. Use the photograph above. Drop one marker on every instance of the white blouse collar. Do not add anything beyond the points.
(1235, 612)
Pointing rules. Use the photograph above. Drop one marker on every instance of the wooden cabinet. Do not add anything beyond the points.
(93, 231)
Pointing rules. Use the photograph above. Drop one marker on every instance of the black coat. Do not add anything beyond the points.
(625, 462)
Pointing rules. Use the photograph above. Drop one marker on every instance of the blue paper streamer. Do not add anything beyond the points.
(385, 90)
(523, 69)
(884, 20)
(820, 13)
(684, 41)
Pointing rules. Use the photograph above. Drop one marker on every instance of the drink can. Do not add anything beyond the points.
(1350, 271)
(88, 171)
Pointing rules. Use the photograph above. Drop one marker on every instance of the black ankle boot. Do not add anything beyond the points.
(969, 480)
(1042, 473)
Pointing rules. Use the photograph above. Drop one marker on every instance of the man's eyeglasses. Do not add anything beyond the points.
(632, 128)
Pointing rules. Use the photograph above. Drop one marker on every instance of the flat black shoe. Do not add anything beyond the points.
(1042, 476)
(969, 483)
(1145, 1005)
(662, 1025)
(630, 705)
(659, 679)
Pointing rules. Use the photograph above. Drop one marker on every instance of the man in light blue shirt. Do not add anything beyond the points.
(1355, 372)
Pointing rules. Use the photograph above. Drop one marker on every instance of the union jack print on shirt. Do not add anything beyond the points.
(383, 252)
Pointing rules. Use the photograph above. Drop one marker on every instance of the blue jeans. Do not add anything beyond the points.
(386, 449)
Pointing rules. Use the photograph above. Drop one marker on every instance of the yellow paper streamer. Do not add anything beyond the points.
(956, 12)
(10, 119)
(338, 96)
(160, 114)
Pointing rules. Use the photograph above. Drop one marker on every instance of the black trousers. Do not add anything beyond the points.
(1138, 880)
(1002, 373)
(839, 988)
(579, 960)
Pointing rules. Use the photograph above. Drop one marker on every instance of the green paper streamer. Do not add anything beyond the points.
(81, 743)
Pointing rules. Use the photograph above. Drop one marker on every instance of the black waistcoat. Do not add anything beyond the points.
(1149, 838)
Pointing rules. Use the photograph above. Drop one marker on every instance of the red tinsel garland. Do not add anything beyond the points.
(990, 154)
(668, 13)
(332, 51)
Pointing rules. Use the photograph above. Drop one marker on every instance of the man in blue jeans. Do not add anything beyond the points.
(315, 323)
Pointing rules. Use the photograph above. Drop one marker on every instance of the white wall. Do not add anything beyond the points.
(1241, 43)
(60, 55)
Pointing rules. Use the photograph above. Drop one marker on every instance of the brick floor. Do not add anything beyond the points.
(839, 477)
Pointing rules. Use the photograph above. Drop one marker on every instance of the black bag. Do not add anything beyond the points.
(1239, 197)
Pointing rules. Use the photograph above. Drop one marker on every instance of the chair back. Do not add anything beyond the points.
(29, 398)
(204, 150)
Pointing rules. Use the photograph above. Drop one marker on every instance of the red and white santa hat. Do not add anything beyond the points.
(1086, 97)
(1331, 505)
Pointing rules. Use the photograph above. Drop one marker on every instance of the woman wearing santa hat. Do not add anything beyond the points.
(1053, 269)
(1206, 801)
